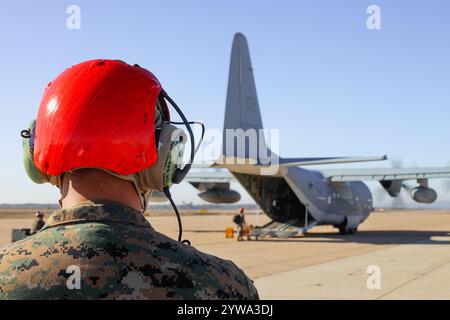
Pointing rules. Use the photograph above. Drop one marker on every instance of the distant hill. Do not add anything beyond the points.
(29, 206)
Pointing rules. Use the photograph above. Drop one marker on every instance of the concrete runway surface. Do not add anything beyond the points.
(411, 250)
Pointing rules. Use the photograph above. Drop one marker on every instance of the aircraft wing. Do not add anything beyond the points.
(296, 162)
(360, 174)
(252, 166)
(380, 174)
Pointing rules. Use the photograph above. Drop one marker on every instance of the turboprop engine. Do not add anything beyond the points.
(220, 195)
(424, 194)
(393, 187)
(217, 192)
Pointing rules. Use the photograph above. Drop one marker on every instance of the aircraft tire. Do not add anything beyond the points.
(345, 231)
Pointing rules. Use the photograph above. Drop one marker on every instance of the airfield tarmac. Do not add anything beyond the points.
(411, 248)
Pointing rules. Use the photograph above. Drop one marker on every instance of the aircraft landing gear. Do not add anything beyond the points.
(343, 230)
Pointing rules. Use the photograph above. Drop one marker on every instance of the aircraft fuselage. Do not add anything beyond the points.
(299, 192)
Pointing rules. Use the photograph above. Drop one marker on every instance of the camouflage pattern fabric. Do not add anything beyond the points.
(119, 256)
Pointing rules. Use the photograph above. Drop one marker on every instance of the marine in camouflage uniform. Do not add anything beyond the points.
(120, 256)
(38, 223)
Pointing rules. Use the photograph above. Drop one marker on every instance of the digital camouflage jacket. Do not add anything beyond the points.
(104, 250)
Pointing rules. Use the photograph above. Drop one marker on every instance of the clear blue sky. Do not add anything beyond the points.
(332, 86)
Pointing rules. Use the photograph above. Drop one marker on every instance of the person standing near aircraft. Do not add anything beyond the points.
(103, 137)
(239, 219)
(38, 223)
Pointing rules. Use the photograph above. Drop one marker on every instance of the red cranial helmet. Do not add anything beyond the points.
(97, 114)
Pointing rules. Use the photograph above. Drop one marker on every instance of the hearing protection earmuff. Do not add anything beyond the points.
(180, 173)
(36, 175)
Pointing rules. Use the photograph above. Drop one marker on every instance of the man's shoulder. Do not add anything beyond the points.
(209, 271)
(120, 261)
(20, 245)
(16, 257)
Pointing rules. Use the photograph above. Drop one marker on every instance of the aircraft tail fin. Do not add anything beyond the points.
(244, 140)
(242, 107)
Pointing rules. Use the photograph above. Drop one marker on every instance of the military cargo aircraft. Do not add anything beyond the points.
(284, 188)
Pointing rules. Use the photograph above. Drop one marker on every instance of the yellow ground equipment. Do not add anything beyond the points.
(229, 233)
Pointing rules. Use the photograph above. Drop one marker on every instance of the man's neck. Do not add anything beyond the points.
(77, 189)
(74, 199)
